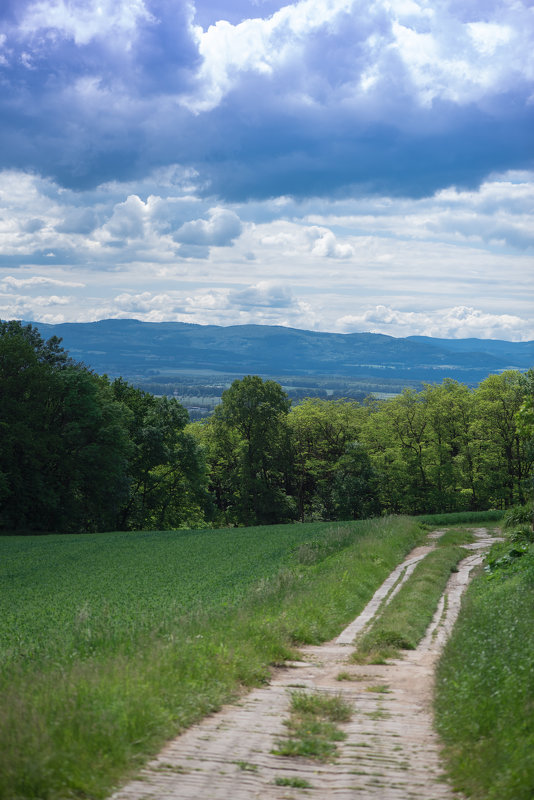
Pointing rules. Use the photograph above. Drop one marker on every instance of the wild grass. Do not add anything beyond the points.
(313, 732)
(295, 782)
(485, 684)
(518, 524)
(455, 536)
(115, 642)
(402, 624)
(461, 517)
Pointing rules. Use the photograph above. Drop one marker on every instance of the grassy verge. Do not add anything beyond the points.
(75, 721)
(485, 684)
(402, 623)
(313, 732)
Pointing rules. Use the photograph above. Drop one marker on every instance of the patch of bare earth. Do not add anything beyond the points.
(391, 751)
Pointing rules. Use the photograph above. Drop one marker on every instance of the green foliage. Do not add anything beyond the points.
(81, 454)
(485, 688)
(249, 430)
(518, 515)
(64, 439)
(112, 643)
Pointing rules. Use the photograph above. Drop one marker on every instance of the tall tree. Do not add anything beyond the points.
(166, 473)
(498, 401)
(64, 439)
(256, 411)
(321, 432)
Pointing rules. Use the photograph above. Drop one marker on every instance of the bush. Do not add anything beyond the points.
(519, 516)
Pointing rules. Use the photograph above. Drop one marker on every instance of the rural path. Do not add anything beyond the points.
(391, 751)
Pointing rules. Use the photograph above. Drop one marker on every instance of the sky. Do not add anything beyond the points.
(334, 165)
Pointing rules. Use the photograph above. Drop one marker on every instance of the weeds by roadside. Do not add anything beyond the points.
(485, 687)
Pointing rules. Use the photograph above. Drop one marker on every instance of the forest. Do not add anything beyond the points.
(83, 453)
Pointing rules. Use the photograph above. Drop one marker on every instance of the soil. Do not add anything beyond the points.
(391, 752)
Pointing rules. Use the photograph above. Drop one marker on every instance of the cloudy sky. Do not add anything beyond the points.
(339, 165)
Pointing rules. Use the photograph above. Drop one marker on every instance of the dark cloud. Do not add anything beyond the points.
(113, 106)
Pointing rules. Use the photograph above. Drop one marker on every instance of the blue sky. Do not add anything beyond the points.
(327, 164)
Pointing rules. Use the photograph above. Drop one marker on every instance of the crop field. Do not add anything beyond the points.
(112, 643)
(77, 595)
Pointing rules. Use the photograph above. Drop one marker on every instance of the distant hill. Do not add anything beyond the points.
(139, 350)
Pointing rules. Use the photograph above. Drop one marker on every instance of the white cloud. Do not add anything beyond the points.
(325, 244)
(460, 322)
(84, 20)
(38, 280)
(222, 227)
(265, 294)
(256, 45)
(128, 219)
(265, 303)
(442, 55)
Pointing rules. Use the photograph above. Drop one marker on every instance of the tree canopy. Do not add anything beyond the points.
(82, 453)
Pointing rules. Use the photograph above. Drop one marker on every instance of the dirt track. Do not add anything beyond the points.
(391, 751)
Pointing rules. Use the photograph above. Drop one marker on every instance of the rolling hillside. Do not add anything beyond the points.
(138, 350)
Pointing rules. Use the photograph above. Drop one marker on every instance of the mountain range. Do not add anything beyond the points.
(139, 350)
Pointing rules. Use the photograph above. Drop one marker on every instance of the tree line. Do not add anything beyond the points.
(80, 452)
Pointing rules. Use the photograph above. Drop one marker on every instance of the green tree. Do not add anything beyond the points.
(166, 472)
(457, 458)
(354, 488)
(64, 439)
(253, 415)
(498, 400)
(321, 432)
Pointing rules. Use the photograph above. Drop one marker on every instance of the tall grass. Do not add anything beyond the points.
(461, 517)
(485, 685)
(76, 720)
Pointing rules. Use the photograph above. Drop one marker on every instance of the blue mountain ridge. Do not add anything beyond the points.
(137, 350)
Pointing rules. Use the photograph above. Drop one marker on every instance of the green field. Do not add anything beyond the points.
(91, 593)
(111, 643)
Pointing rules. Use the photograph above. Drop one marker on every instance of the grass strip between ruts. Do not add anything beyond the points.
(402, 624)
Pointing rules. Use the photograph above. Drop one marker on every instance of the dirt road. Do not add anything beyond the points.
(391, 751)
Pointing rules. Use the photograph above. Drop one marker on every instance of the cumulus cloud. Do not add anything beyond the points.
(128, 219)
(265, 303)
(460, 322)
(264, 294)
(220, 229)
(324, 243)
